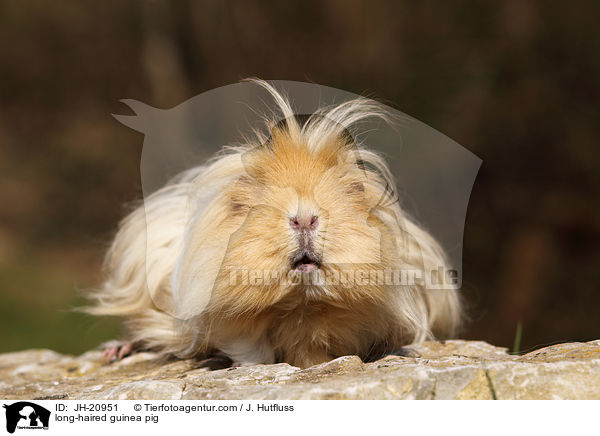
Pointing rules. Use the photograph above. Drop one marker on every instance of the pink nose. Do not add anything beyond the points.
(304, 222)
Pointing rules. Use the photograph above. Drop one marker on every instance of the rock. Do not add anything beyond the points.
(433, 370)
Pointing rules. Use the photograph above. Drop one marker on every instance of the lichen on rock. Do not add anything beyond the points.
(433, 370)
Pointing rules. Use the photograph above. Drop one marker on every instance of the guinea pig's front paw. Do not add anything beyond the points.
(221, 361)
(215, 361)
(117, 350)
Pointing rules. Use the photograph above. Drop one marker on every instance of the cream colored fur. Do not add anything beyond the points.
(171, 264)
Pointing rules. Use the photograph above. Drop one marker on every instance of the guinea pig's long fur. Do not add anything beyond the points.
(300, 201)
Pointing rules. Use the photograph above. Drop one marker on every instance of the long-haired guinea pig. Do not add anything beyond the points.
(288, 249)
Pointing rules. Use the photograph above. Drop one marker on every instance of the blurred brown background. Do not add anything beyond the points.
(516, 82)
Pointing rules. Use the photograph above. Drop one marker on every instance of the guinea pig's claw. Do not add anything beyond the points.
(109, 353)
(124, 351)
(116, 352)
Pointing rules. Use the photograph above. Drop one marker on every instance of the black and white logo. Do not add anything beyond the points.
(26, 415)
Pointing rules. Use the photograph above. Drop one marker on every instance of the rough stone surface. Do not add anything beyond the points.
(433, 370)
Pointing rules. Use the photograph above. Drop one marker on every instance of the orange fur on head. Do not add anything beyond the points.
(270, 253)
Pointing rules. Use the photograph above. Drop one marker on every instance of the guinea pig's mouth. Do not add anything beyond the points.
(305, 261)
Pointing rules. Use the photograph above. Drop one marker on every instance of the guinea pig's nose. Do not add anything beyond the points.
(306, 222)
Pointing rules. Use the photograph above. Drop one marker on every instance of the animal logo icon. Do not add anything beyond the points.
(25, 414)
